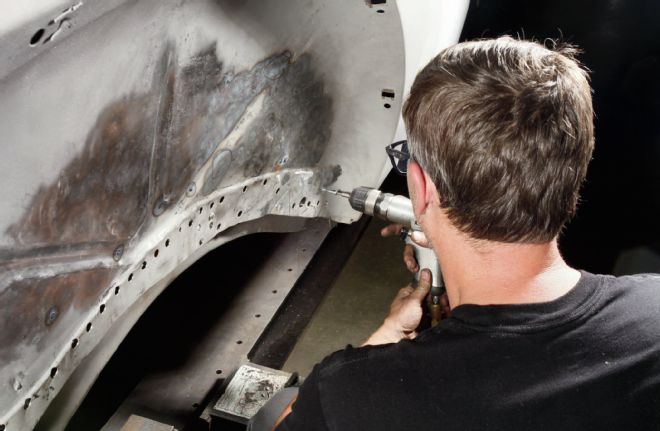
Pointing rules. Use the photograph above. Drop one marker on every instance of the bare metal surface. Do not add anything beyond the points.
(135, 132)
(249, 390)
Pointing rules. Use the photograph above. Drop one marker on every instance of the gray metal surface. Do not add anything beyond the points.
(134, 133)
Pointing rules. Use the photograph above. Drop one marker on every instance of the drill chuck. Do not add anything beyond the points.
(373, 202)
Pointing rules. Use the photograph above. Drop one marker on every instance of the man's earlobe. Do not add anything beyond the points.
(417, 187)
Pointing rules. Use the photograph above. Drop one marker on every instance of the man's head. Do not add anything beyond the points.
(504, 130)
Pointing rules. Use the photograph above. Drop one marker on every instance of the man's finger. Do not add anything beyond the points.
(423, 285)
(391, 229)
(409, 258)
(420, 239)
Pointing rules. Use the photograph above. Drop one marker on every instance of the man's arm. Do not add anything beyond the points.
(404, 317)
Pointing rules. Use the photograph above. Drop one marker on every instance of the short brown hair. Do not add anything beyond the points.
(504, 128)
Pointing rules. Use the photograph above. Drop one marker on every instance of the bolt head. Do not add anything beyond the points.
(191, 189)
(51, 315)
(160, 206)
(118, 253)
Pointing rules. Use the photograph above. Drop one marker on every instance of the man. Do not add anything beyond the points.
(500, 135)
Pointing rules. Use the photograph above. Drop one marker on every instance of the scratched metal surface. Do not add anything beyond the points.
(135, 133)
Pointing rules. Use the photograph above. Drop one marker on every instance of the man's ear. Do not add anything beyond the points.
(417, 187)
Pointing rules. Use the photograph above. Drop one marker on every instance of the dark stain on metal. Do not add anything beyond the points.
(329, 175)
(294, 125)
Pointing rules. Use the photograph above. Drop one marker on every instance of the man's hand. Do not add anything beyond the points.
(408, 251)
(409, 257)
(405, 313)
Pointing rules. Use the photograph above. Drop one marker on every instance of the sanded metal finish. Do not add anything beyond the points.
(134, 133)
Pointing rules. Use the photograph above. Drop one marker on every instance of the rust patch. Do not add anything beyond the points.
(26, 302)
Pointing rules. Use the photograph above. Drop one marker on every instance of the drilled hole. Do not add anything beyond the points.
(218, 226)
(239, 342)
(274, 291)
(265, 182)
(36, 37)
(53, 372)
(387, 105)
(378, 1)
(302, 201)
(89, 327)
(200, 242)
(277, 191)
(179, 228)
(293, 205)
(257, 315)
(167, 242)
(222, 199)
(317, 203)
(244, 189)
(116, 290)
(211, 225)
(74, 343)
(388, 94)
(130, 277)
(289, 269)
(380, 11)
(200, 210)
(144, 264)
(27, 403)
(156, 253)
(218, 371)
(101, 308)
(240, 213)
(211, 205)
(190, 223)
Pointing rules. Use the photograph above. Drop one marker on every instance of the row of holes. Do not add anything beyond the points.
(88, 327)
(117, 288)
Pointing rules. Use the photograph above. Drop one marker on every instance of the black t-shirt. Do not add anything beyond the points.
(589, 360)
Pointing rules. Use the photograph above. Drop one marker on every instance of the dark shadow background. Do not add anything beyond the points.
(620, 206)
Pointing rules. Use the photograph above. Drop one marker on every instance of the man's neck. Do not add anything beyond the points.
(499, 273)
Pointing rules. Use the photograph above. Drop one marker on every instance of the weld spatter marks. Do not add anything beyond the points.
(294, 126)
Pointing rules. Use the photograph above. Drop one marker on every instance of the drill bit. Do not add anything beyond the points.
(338, 193)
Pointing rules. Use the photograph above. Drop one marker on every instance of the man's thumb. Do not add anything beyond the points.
(423, 285)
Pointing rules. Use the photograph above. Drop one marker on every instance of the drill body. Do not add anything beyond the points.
(398, 209)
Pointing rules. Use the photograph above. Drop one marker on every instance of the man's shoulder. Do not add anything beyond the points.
(357, 359)
(636, 284)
